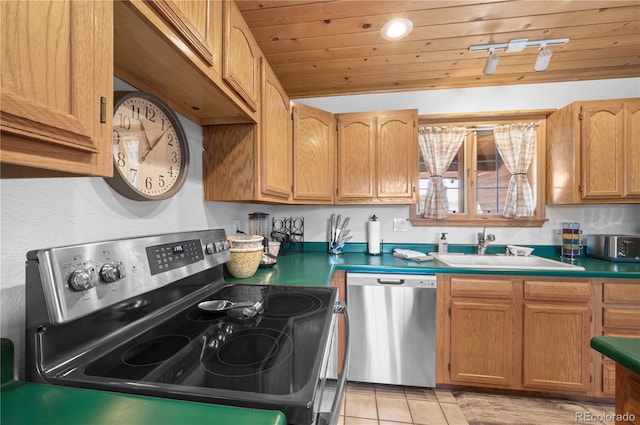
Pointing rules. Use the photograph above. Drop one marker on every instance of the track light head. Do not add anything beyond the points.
(542, 61)
(492, 62)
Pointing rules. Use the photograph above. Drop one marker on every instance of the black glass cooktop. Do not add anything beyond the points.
(273, 352)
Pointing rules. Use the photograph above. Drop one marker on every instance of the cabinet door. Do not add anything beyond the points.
(481, 342)
(556, 347)
(314, 139)
(241, 58)
(275, 147)
(396, 159)
(632, 148)
(194, 24)
(602, 161)
(57, 85)
(356, 157)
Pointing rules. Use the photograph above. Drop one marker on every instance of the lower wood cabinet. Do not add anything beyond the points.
(517, 333)
(482, 314)
(627, 396)
(620, 317)
(557, 329)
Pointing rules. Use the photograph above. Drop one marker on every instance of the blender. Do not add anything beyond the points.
(259, 225)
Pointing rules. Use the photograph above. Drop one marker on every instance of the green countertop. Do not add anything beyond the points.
(41, 404)
(625, 351)
(316, 267)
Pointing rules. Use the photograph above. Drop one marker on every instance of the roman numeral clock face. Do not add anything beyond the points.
(150, 152)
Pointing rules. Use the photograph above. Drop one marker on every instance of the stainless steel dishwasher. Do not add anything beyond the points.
(393, 328)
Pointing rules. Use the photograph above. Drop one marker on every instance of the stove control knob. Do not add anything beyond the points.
(210, 248)
(111, 272)
(83, 279)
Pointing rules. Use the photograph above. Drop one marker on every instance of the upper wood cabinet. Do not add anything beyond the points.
(591, 151)
(241, 56)
(196, 25)
(275, 146)
(57, 86)
(251, 162)
(377, 157)
(314, 141)
(174, 49)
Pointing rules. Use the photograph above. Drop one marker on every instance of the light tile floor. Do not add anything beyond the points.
(372, 404)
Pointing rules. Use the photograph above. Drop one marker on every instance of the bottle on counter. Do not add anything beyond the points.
(443, 245)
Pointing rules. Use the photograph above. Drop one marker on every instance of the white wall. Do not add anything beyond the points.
(41, 213)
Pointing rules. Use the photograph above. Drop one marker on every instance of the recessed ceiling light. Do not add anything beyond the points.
(396, 29)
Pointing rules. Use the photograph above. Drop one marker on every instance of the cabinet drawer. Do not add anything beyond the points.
(484, 288)
(620, 317)
(622, 293)
(571, 291)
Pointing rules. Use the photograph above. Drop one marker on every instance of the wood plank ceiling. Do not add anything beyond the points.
(323, 48)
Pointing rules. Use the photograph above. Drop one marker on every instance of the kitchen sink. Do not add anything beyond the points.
(475, 261)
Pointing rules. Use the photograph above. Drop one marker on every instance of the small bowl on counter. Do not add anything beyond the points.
(244, 262)
(521, 251)
(245, 241)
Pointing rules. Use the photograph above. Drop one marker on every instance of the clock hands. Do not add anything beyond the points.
(146, 139)
(150, 146)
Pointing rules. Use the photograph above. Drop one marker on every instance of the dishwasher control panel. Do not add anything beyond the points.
(392, 279)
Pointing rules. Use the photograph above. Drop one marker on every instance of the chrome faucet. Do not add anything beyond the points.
(483, 240)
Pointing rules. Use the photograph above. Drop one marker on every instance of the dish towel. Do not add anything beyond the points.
(408, 254)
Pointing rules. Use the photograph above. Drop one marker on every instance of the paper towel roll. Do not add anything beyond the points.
(373, 237)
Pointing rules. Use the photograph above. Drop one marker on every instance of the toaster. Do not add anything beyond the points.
(614, 247)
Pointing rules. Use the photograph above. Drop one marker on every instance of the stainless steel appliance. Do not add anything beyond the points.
(614, 247)
(123, 315)
(393, 328)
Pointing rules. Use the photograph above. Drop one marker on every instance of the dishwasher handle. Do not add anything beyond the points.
(383, 281)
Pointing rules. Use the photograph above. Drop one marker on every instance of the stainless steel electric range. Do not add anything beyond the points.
(123, 315)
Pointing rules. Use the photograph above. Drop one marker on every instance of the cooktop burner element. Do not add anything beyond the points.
(155, 350)
(286, 305)
(248, 352)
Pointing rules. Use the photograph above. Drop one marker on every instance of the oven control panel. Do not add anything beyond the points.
(81, 279)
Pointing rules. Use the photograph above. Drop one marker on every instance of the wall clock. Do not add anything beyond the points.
(150, 151)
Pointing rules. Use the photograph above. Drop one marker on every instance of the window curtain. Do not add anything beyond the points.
(516, 144)
(439, 146)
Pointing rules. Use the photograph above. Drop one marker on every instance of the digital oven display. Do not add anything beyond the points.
(170, 256)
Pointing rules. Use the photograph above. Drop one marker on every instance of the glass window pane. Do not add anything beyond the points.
(492, 175)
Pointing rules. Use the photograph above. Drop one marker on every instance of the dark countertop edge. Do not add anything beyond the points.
(625, 351)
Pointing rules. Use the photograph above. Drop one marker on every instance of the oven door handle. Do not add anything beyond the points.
(340, 308)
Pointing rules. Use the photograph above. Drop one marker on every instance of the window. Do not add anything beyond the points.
(477, 180)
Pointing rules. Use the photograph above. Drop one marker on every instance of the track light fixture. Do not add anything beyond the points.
(542, 61)
(544, 56)
(492, 62)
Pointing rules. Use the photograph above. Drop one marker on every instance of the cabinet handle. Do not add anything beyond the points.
(103, 109)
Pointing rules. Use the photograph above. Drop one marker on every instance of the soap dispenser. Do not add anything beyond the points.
(443, 246)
